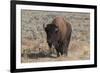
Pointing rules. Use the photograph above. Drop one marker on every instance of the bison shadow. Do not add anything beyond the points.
(36, 55)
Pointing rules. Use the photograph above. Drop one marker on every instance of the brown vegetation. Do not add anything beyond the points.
(34, 45)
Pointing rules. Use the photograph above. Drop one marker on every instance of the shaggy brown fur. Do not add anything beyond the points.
(58, 35)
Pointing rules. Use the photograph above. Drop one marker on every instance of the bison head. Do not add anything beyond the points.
(52, 32)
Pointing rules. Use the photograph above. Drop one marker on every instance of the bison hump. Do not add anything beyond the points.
(61, 24)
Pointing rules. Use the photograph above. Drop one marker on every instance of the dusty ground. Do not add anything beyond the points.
(34, 45)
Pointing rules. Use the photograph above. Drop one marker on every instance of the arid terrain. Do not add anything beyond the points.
(34, 47)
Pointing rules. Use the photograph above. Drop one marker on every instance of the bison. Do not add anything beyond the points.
(58, 35)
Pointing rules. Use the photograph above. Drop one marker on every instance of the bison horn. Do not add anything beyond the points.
(44, 26)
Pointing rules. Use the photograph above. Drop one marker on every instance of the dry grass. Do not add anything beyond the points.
(75, 52)
(34, 46)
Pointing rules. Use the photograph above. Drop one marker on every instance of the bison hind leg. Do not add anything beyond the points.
(61, 48)
(65, 49)
(66, 45)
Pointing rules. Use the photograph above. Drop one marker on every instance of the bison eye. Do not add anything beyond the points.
(56, 29)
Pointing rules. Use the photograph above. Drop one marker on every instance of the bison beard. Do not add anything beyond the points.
(58, 35)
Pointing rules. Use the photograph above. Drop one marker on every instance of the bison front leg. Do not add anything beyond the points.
(50, 46)
(58, 50)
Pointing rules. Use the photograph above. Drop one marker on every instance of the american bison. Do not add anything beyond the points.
(58, 35)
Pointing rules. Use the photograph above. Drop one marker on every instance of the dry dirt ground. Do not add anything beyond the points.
(34, 47)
